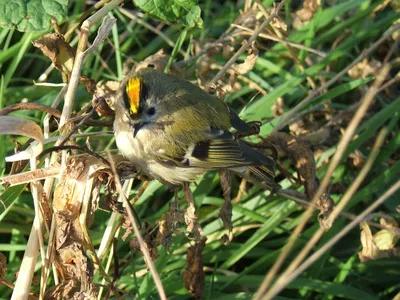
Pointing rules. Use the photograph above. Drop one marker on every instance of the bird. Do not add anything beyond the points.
(174, 131)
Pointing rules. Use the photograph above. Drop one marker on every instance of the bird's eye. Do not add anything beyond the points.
(151, 111)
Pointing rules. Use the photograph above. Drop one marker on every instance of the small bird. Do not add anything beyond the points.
(174, 131)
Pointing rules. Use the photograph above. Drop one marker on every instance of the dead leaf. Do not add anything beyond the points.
(54, 46)
(62, 55)
(135, 245)
(193, 276)
(299, 152)
(278, 108)
(81, 179)
(381, 244)
(310, 7)
(386, 239)
(305, 14)
(249, 61)
(19, 126)
(193, 225)
(3, 266)
(364, 68)
(168, 224)
(278, 23)
(104, 97)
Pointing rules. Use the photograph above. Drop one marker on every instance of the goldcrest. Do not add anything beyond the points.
(174, 131)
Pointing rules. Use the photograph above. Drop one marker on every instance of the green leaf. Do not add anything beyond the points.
(186, 12)
(31, 15)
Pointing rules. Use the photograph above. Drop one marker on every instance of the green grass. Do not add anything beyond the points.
(342, 29)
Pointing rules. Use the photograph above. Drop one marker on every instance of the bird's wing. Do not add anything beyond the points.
(221, 150)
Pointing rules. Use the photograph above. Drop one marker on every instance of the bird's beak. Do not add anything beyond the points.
(137, 127)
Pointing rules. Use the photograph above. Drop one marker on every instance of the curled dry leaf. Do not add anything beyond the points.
(168, 224)
(191, 220)
(249, 61)
(278, 108)
(310, 7)
(364, 68)
(19, 126)
(54, 46)
(62, 55)
(279, 23)
(381, 244)
(386, 239)
(302, 157)
(79, 180)
(104, 97)
(193, 276)
(3, 266)
(135, 245)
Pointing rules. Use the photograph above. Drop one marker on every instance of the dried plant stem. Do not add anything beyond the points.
(82, 221)
(27, 269)
(313, 258)
(79, 58)
(287, 118)
(282, 40)
(147, 257)
(30, 106)
(348, 135)
(247, 45)
(282, 280)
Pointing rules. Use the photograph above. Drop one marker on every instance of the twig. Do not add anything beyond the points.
(336, 211)
(26, 177)
(79, 58)
(143, 247)
(246, 46)
(313, 258)
(282, 40)
(73, 147)
(287, 118)
(30, 106)
(27, 267)
(348, 135)
(390, 82)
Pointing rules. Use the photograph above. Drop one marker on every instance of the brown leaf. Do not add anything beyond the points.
(249, 61)
(310, 7)
(81, 178)
(386, 239)
(54, 46)
(104, 97)
(19, 126)
(168, 224)
(302, 157)
(193, 225)
(381, 244)
(62, 55)
(3, 266)
(279, 23)
(364, 68)
(135, 245)
(193, 276)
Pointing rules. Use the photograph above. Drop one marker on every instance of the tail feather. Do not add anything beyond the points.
(266, 175)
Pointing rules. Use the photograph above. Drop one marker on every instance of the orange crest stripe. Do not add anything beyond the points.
(133, 90)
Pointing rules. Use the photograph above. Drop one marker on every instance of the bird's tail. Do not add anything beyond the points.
(265, 175)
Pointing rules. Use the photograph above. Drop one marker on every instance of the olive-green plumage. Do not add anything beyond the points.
(180, 131)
